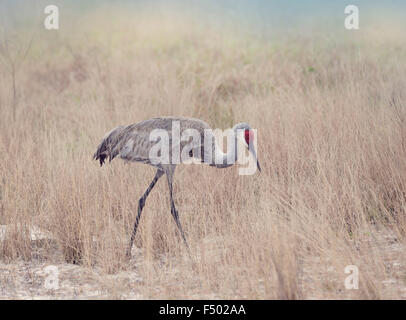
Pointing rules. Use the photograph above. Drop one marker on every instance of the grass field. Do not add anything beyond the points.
(330, 110)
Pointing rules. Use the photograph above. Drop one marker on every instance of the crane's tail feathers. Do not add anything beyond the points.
(108, 146)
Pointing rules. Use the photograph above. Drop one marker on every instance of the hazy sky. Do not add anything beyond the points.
(261, 13)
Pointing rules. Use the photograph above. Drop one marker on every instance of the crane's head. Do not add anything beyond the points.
(245, 133)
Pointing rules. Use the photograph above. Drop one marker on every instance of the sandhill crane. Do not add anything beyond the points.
(133, 143)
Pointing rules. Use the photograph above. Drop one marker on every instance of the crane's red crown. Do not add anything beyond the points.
(249, 136)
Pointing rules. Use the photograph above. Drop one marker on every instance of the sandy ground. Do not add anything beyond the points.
(28, 279)
(392, 287)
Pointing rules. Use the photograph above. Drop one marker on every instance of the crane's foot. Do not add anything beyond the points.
(128, 253)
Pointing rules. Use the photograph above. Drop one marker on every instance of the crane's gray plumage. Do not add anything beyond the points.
(132, 143)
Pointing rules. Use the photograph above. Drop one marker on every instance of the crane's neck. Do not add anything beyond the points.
(224, 160)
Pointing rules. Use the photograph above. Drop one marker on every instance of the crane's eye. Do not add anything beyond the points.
(249, 136)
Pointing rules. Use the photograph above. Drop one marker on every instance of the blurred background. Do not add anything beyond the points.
(261, 16)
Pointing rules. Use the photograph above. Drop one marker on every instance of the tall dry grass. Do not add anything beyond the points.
(330, 113)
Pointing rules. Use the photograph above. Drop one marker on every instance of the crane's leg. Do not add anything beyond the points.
(174, 212)
(141, 204)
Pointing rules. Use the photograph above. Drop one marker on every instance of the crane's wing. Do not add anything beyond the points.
(133, 142)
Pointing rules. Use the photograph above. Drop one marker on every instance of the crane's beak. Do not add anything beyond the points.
(254, 154)
(258, 166)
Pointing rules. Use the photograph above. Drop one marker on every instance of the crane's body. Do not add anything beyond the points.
(133, 143)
